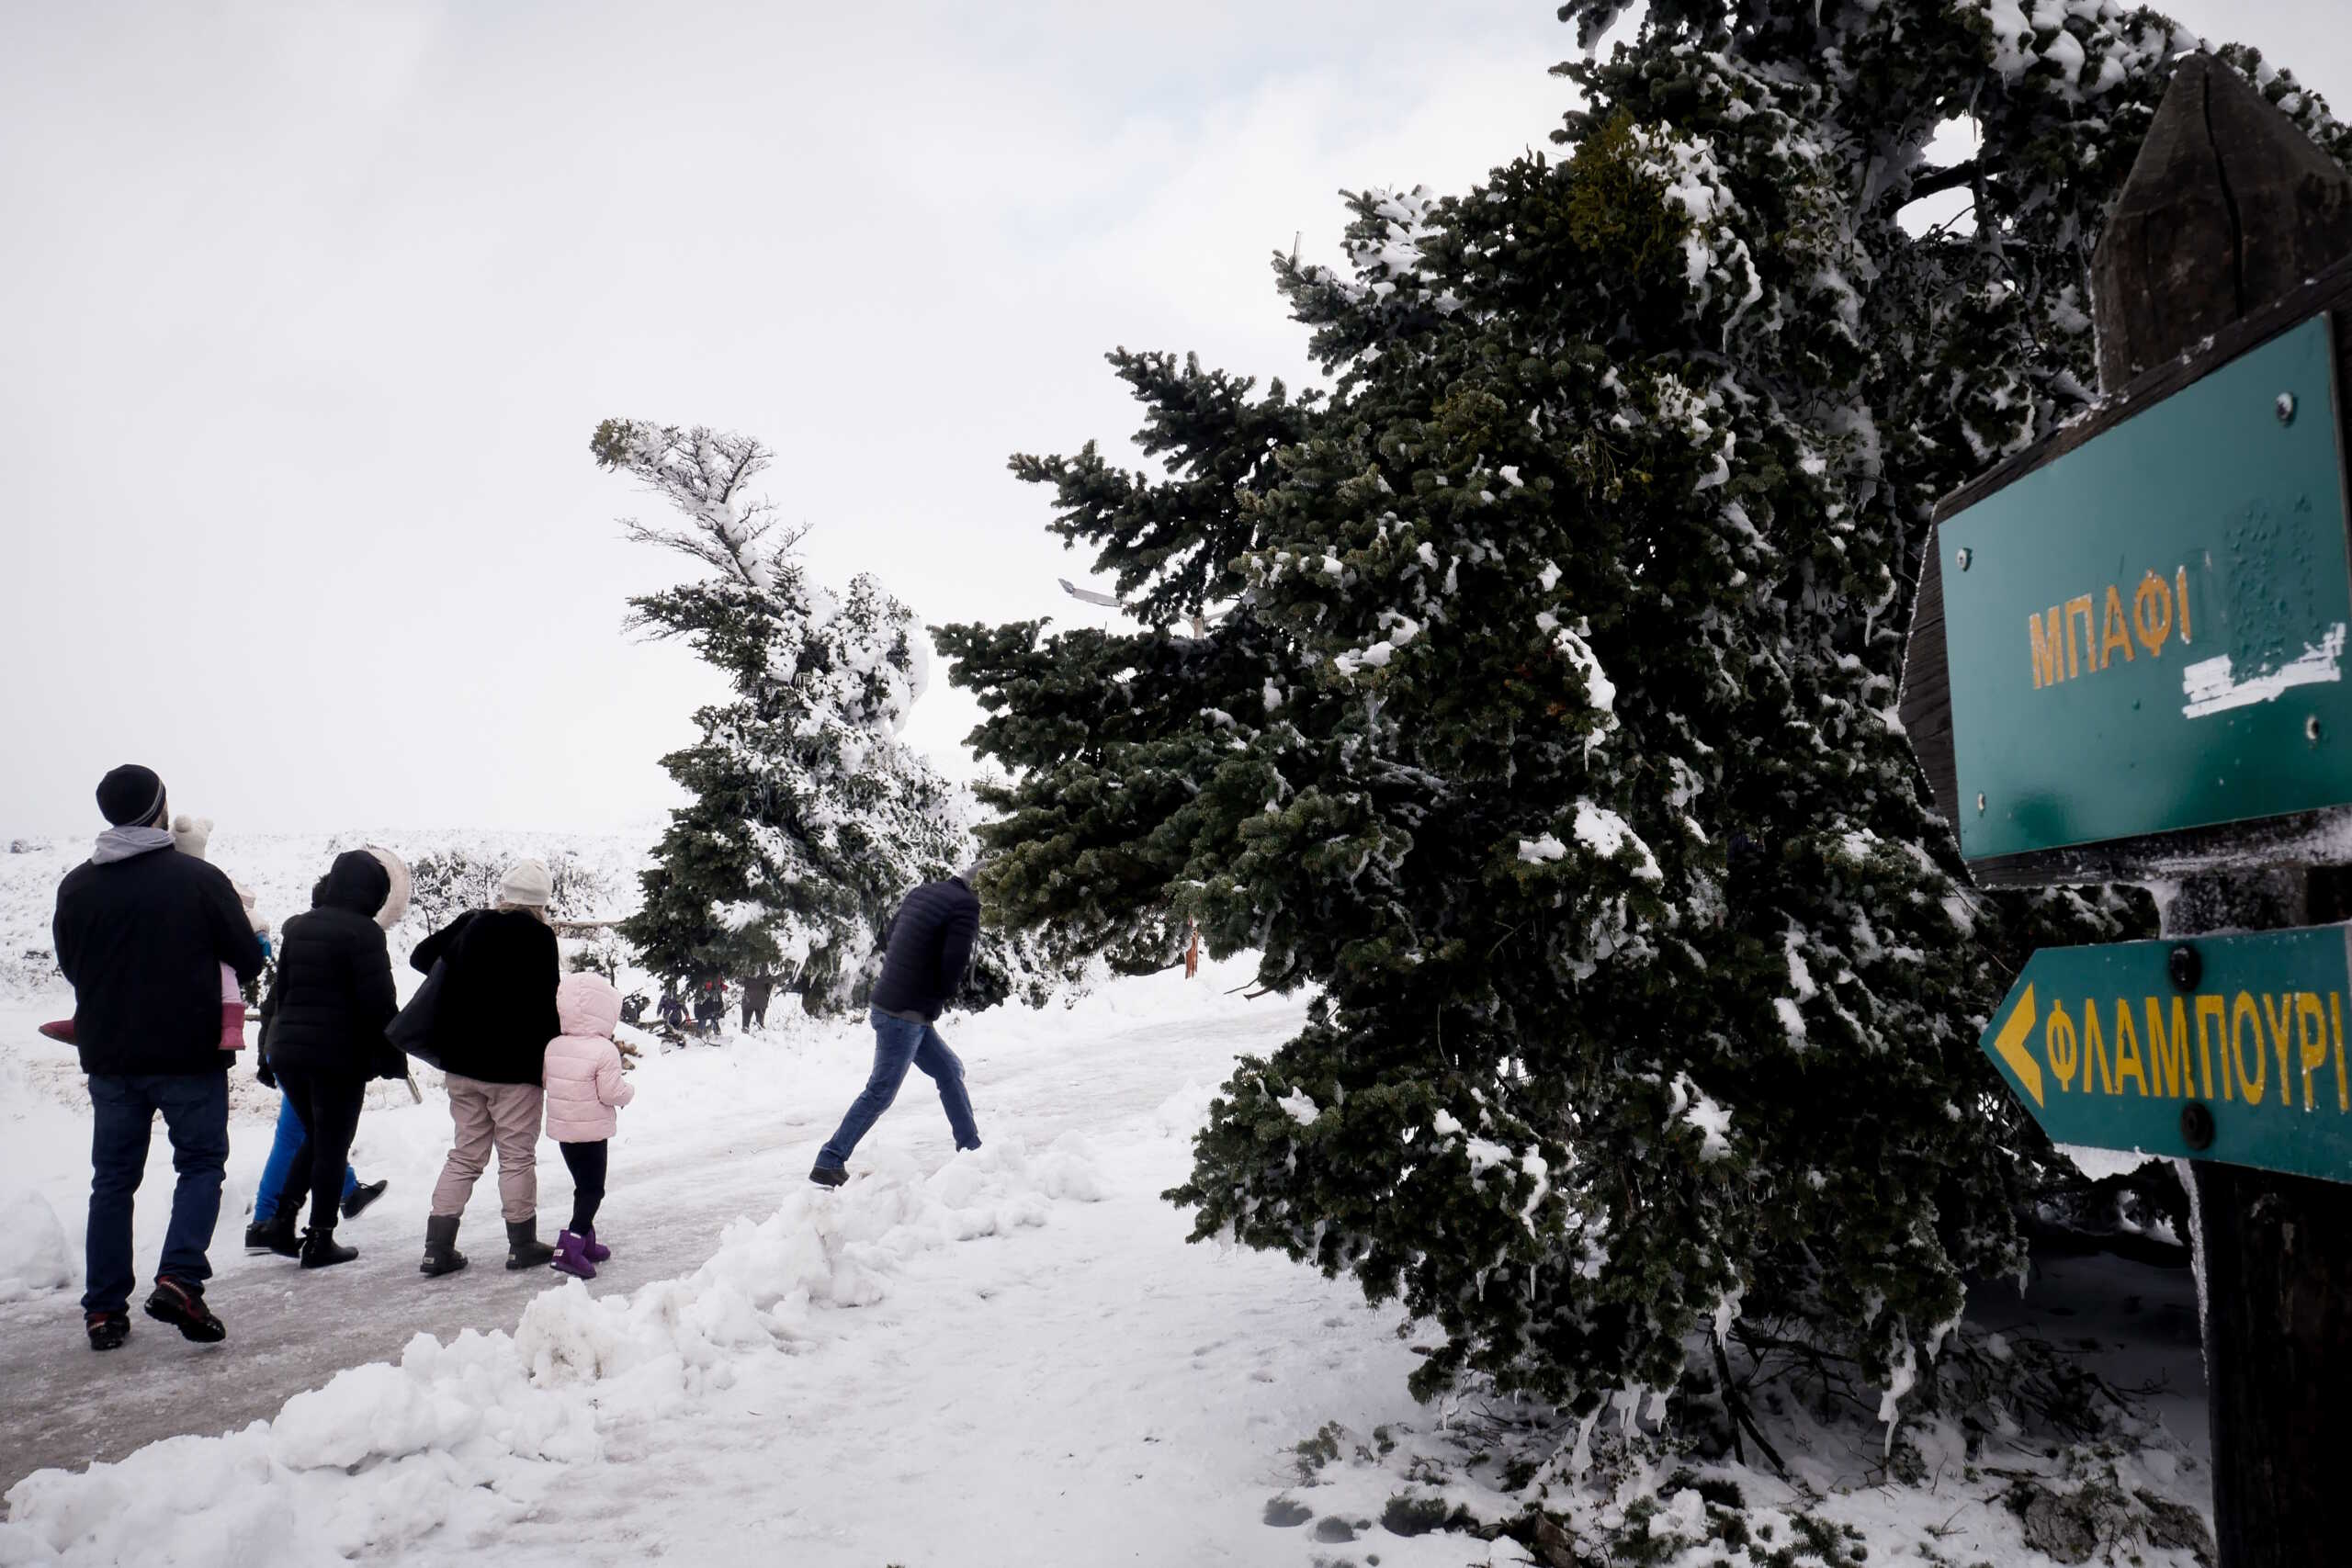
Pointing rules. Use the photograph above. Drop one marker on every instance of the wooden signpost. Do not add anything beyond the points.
(2127, 663)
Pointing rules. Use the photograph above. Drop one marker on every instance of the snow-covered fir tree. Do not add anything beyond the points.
(1550, 732)
(811, 818)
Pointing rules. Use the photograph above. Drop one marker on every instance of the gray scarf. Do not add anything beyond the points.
(127, 843)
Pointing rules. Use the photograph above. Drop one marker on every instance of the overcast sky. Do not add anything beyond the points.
(309, 309)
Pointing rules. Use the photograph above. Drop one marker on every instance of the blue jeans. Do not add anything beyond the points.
(195, 1114)
(900, 1044)
(282, 1150)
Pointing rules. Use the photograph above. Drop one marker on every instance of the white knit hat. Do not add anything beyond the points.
(526, 882)
(190, 835)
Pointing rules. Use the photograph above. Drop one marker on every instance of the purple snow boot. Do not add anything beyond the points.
(594, 1251)
(571, 1257)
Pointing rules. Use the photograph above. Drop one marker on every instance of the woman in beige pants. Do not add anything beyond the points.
(491, 1030)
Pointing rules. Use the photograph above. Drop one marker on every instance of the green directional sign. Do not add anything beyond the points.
(2227, 1048)
(2148, 633)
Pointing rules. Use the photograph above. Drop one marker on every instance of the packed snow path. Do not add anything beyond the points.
(62, 1405)
(1062, 1375)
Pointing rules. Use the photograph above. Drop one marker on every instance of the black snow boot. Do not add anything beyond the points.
(441, 1254)
(356, 1201)
(524, 1247)
(108, 1329)
(320, 1251)
(828, 1175)
(276, 1234)
(183, 1307)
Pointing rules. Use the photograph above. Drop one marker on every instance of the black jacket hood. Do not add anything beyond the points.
(358, 882)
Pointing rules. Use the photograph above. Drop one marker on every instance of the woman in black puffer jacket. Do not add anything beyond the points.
(331, 1000)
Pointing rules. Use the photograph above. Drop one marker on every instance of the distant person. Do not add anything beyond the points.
(491, 1030)
(930, 940)
(756, 992)
(193, 836)
(585, 1089)
(142, 935)
(332, 999)
(276, 1221)
(710, 1006)
(673, 1009)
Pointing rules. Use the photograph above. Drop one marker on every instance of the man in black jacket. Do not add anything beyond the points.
(929, 944)
(142, 932)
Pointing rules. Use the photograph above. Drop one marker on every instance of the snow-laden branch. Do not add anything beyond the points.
(704, 473)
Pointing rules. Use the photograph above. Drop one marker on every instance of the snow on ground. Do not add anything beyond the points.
(955, 1358)
(1004, 1357)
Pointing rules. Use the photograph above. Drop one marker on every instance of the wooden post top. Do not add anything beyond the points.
(2228, 208)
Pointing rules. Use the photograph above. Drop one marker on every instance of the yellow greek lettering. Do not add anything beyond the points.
(2180, 592)
(2118, 632)
(2282, 1024)
(2094, 1051)
(2127, 1047)
(2049, 666)
(2336, 1027)
(2058, 1046)
(2211, 1009)
(2169, 1066)
(2311, 1037)
(2247, 1019)
(2080, 605)
(2152, 614)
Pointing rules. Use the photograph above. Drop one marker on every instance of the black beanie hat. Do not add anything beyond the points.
(131, 796)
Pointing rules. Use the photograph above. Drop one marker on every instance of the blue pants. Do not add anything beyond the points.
(900, 1044)
(195, 1114)
(282, 1150)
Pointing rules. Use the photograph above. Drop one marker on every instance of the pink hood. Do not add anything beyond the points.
(582, 1074)
(587, 1004)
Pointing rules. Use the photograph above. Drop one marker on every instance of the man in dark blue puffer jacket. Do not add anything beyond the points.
(929, 946)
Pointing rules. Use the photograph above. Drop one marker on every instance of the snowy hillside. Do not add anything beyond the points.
(280, 868)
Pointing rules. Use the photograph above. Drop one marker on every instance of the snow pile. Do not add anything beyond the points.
(33, 1253)
(674, 1340)
(1186, 1112)
(474, 1433)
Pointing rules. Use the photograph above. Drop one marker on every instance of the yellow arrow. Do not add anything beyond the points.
(2010, 1045)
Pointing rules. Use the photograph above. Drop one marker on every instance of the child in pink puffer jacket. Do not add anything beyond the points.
(584, 1089)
